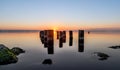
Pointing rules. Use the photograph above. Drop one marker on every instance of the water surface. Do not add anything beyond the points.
(67, 57)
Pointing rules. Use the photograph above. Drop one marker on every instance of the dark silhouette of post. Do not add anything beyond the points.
(45, 38)
(50, 41)
(61, 39)
(61, 35)
(64, 36)
(58, 34)
(81, 41)
(42, 36)
(70, 38)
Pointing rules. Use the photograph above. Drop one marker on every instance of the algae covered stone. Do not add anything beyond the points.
(6, 55)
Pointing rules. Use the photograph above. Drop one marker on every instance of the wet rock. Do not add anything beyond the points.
(115, 47)
(17, 50)
(47, 61)
(102, 56)
(6, 55)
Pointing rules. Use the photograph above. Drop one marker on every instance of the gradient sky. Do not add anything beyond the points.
(59, 14)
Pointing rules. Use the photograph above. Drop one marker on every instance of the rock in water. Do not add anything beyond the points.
(47, 61)
(102, 56)
(6, 55)
(115, 47)
(17, 50)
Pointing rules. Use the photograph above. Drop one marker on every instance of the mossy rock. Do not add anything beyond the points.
(6, 55)
(17, 50)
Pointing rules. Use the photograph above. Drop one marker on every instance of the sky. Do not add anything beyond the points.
(59, 14)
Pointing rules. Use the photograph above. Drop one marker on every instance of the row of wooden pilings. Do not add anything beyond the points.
(47, 38)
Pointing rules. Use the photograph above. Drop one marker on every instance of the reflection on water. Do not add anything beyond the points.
(47, 38)
(66, 57)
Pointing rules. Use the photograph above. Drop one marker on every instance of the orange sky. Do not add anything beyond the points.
(56, 25)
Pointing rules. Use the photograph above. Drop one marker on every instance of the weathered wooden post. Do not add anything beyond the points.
(70, 38)
(64, 36)
(81, 41)
(50, 41)
(58, 34)
(45, 38)
(61, 40)
(42, 36)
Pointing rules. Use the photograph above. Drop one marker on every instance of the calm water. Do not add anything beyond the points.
(64, 58)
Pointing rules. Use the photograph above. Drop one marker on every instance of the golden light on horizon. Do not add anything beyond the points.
(55, 29)
(55, 26)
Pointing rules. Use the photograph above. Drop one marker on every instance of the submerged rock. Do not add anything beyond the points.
(115, 47)
(47, 61)
(6, 55)
(102, 56)
(17, 50)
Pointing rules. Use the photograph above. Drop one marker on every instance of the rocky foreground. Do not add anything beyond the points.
(8, 56)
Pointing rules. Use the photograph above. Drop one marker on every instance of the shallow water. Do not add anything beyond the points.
(67, 57)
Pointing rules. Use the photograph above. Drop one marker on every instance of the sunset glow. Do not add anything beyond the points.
(59, 14)
(59, 34)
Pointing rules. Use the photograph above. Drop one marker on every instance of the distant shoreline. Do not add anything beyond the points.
(19, 31)
(3, 31)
